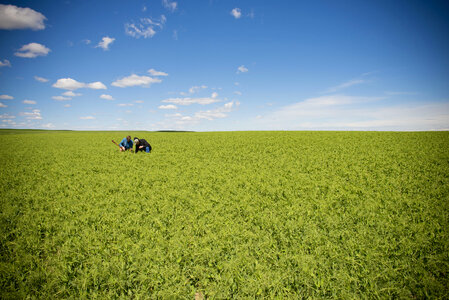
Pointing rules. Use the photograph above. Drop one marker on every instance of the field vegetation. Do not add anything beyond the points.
(226, 215)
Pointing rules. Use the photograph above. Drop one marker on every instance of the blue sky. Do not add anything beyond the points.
(224, 65)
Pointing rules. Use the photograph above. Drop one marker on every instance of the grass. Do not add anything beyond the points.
(225, 215)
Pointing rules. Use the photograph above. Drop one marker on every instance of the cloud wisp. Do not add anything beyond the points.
(146, 28)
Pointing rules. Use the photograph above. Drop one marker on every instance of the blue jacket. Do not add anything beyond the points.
(126, 144)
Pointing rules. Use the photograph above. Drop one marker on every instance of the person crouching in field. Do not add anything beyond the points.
(126, 144)
(142, 145)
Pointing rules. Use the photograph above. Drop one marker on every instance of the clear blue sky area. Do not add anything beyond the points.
(224, 65)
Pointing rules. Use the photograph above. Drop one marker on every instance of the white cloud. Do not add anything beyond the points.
(339, 112)
(146, 28)
(236, 12)
(105, 42)
(125, 104)
(189, 101)
(169, 106)
(139, 30)
(71, 94)
(3, 105)
(29, 101)
(242, 69)
(7, 116)
(214, 95)
(72, 84)
(106, 97)
(48, 125)
(153, 72)
(139, 101)
(32, 50)
(6, 97)
(41, 79)
(195, 89)
(135, 80)
(8, 122)
(238, 93)
(96, 86)
(13, 17)
(67, 105)
(61, 98)
(87, 118)
(87, 42)
(34, 115)
(5, 63)
(68, 84)
(217, 113)
(170, 5)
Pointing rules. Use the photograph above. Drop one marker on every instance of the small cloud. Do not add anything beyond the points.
(68, 84)
(29, 101)
(87, 42)
(71, 94)
(105, 42)
(139, 101)
(5, 63)
(170, 5)
(67, 105)
(238, 93)
(242, 69)
(61, 98)
(236, 12)
(106, 97)
(41, 79)
(48, 125)
(189, 101)
(153, 72)
(72, 84)
(97, 86)
(169, 106)
(236, 83)
(125, 104)
(146, 28)
(6, 97)
(214, 95)
(87, 118)
(34, 115)
(7, 116)
(3, 105)
(195, 89)
(32, 50)
(144, 8)
(175, 35)
(135, 80)
(13, 17)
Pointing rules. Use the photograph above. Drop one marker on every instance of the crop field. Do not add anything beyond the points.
(224, 215)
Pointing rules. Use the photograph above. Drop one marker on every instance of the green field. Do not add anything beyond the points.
(227, 215)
